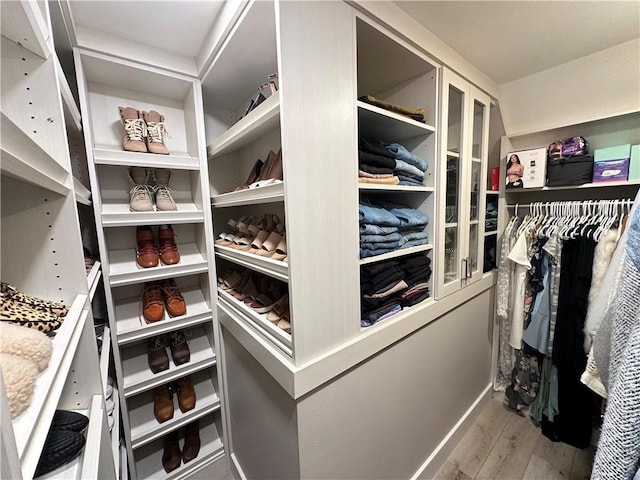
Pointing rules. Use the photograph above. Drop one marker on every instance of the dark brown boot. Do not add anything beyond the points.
(191, 442)
(162, 403)
(157, 354)
(171, 458)
(186, 395)
(179, 348)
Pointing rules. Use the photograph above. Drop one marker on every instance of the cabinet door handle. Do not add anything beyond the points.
(466, 272)
(468, 268)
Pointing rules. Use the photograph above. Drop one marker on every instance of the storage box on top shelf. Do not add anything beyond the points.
(634, 164)
(612, 164)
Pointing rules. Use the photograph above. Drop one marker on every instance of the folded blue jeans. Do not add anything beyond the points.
(402, 166)
(415, 243)
(390, 237)
(377, 216)
(365, 252)
(407, 216)
(379, 245)
(409, 181)
(409, 237)
(403, 154)
(370, 229)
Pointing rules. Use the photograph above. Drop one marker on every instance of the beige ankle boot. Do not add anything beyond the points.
(139, 192)
(164, 200)
(156, 132)
(134, 130)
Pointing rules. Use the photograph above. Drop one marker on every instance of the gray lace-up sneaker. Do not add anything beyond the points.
(139, 193)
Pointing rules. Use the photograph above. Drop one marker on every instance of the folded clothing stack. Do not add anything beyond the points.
(491, 216)
(389, 286)
(416, 114)
(385, 227)
(389, 163)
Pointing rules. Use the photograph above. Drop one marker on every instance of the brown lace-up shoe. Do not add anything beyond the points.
(168, 250)
(173, 299)
(146, 251)
(179, 347)
(152, 302)
(157, 354)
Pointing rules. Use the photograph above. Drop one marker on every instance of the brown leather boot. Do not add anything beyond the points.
(133, 130)
(146, 251)
(157, 354)
(179, 348)
(168, 250)
(152, 302)
(191, 442)
(171, 457)
(162, 403)
(186, 394)
(173, 299)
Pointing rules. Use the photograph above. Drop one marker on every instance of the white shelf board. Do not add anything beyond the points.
(402, 252)
(132, 327)
(82, 193)
(453, 154)
(124, 270)
(263, 119)
(31, 426)
(114, 155)
(270, 330)
(149, 458)
(24, 24)
(376, 122)
(492, 192)
(630, 184)
(105, 353)
(25, 160)
(492, 232)
(145, 427)
(394, 188)
(93, 279)
(269, 266)
(72, 116)
(138, 377)
(250, 196)
(119, 215)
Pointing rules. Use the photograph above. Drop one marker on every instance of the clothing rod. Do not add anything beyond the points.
(527, 205)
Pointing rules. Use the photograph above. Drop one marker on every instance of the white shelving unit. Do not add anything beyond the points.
(106, 83)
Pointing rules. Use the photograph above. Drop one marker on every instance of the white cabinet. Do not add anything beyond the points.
(464, 134)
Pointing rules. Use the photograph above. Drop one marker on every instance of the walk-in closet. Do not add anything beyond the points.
(267, 239)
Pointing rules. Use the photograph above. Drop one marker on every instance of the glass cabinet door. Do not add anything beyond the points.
(479, 127)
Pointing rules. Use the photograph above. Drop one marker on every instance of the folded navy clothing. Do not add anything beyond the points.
(375, 170)
(376, 146)
(373, 305)
(366, 158)
(415, 298)
(374, 269)
(414, 261)
(416, 278)
(373, 317)
(366, 252)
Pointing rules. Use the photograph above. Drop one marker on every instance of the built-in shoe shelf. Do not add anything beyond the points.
(93, 279)
(394, 188)
(115, 155)
(133, 328)
(402, 252)
(124, 270)
(264, 118)
(149, 457)
(138, 376)
(145, 427)
(119, 215)
(267, 265)
(258, 321)
(250, 196)
(376, 122)
(82, 193)
(71, 112)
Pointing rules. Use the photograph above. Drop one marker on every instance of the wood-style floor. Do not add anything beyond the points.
(502, 445)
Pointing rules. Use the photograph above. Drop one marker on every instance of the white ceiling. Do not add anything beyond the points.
(175, 26)
(508, 40)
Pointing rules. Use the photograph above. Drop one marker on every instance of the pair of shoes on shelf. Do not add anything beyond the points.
(148, 186)
(157, 353)
(28, 311)
(172, 456)
(143, 131)
(279, 314)
(64, 442)
(148, 253)
(266, 173)
(163, 398)
(264, 236)
(160, 295)
(264, 91)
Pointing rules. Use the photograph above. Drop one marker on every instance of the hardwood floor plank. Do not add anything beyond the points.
(582, 462)
(540, 469)
(474, 448)
(560, 456)
(510, 455)
(450, 471)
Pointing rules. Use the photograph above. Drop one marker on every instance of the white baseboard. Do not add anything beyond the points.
(433, 463)
(237, 469)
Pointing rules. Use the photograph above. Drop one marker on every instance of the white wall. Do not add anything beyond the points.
(600, 85)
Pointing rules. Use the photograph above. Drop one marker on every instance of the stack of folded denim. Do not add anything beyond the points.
(491, 217)
(385, 227)
(380, 162)
(389, 286)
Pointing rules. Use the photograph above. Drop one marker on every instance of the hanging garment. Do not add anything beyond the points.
(573, 423)
(553, 248)
(537, 333)
(525, 379)
(520, 257)
(618, 453)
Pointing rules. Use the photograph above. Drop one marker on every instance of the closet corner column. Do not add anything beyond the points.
(317, 64)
